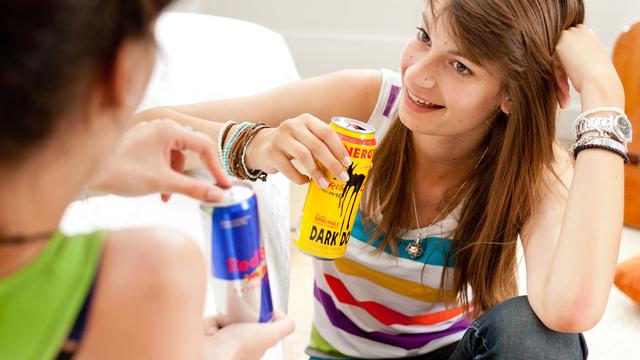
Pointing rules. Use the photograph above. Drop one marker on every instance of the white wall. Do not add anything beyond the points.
(329, 35)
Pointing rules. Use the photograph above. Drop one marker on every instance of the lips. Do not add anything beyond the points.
(423, 102)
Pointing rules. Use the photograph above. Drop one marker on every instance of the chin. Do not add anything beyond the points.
(420, 124)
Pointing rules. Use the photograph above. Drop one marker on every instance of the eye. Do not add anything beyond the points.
(460, 67)
(423, 36)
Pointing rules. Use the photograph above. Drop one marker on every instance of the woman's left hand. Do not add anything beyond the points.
(150, 158)
(581, 57)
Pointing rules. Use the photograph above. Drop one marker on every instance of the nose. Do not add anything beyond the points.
(423, 71)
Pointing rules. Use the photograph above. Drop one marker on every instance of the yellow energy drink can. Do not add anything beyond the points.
(328, 214)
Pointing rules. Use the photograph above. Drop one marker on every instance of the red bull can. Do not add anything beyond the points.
(239, 277)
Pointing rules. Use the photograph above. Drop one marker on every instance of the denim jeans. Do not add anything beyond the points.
(511, 330)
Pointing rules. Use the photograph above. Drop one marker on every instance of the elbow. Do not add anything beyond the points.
(572, 315)
(572, 322)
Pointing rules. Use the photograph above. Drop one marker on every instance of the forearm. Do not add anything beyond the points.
(351, 93)
(585, 258)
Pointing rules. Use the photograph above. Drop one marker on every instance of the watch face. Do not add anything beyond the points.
(623, 127)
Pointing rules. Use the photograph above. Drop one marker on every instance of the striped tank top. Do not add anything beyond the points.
(384, 305)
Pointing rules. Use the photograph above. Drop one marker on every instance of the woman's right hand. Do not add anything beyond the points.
(244, 341)
(307, 140)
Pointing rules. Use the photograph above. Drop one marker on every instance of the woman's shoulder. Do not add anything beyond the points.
(151, 257)
(150, 287)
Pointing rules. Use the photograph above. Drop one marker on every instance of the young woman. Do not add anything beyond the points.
(71, 74)
(467, 163)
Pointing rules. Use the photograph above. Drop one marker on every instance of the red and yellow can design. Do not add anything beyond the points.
(328, 214)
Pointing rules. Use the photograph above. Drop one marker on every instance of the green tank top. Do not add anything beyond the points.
(40, 302)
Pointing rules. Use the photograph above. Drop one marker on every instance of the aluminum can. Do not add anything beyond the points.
(328, 214)
(239, 277)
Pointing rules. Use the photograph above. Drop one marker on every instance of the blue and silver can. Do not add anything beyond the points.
(239, 277)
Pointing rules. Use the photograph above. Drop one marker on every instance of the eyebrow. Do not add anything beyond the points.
(451, 52)
(458, 53)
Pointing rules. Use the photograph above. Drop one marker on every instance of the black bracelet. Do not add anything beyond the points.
(603, 147)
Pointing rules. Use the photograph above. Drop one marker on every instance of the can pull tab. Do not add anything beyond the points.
(228, 195)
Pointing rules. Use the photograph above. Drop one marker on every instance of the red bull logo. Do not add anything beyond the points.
(243, 266)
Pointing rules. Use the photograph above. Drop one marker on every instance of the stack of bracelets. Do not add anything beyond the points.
(610, 132)
(232, 152)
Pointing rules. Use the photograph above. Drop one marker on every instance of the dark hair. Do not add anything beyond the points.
(50, 50)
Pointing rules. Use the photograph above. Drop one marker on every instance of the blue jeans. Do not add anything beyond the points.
(511, 330)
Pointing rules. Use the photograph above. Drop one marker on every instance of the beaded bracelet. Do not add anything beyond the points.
(237, 155)
(222, 134)
(227, 147)
(234, 152)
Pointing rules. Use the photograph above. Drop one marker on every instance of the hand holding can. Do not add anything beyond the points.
(329, 212)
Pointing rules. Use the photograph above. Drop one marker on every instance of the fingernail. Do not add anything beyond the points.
(213, 195)
(346, 161)
(210, 331)
(323, 183)
(344, 176)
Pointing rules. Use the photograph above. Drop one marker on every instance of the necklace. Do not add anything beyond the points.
(23, 239)
(415, 249)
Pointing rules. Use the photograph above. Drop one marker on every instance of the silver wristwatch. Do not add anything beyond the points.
(617, 126)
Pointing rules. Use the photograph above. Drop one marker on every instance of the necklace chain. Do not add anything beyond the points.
(415, 249)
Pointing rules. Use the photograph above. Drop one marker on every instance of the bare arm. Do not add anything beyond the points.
(571, 242)
(148, 298)
(351, 93)
(298, 114)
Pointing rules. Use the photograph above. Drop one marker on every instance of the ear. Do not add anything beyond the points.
(130, 73)
(561, 83)
(505, 105)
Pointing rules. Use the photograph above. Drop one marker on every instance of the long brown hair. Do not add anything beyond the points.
(516, 37)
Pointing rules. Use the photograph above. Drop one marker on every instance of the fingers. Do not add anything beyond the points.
(211, 325)
(206, 148)
(280, 326)
(332, 141)
(177, 164)
(272, 332)
(315, 146)
(324, 155)
(283, 165)
(303, 156)
(180, 183)
(562, 83)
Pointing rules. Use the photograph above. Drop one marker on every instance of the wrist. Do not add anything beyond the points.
(253, 149)
(603, 94)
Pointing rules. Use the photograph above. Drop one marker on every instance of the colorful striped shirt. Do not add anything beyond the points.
(386, 305)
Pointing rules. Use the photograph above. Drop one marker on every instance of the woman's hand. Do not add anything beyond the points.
(149, 159)
(306, 139)
(244, 341)
(587, 66)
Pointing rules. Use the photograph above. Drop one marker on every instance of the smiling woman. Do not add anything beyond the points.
(467, 163)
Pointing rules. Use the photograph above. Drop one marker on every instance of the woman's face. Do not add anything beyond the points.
(443, 92)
